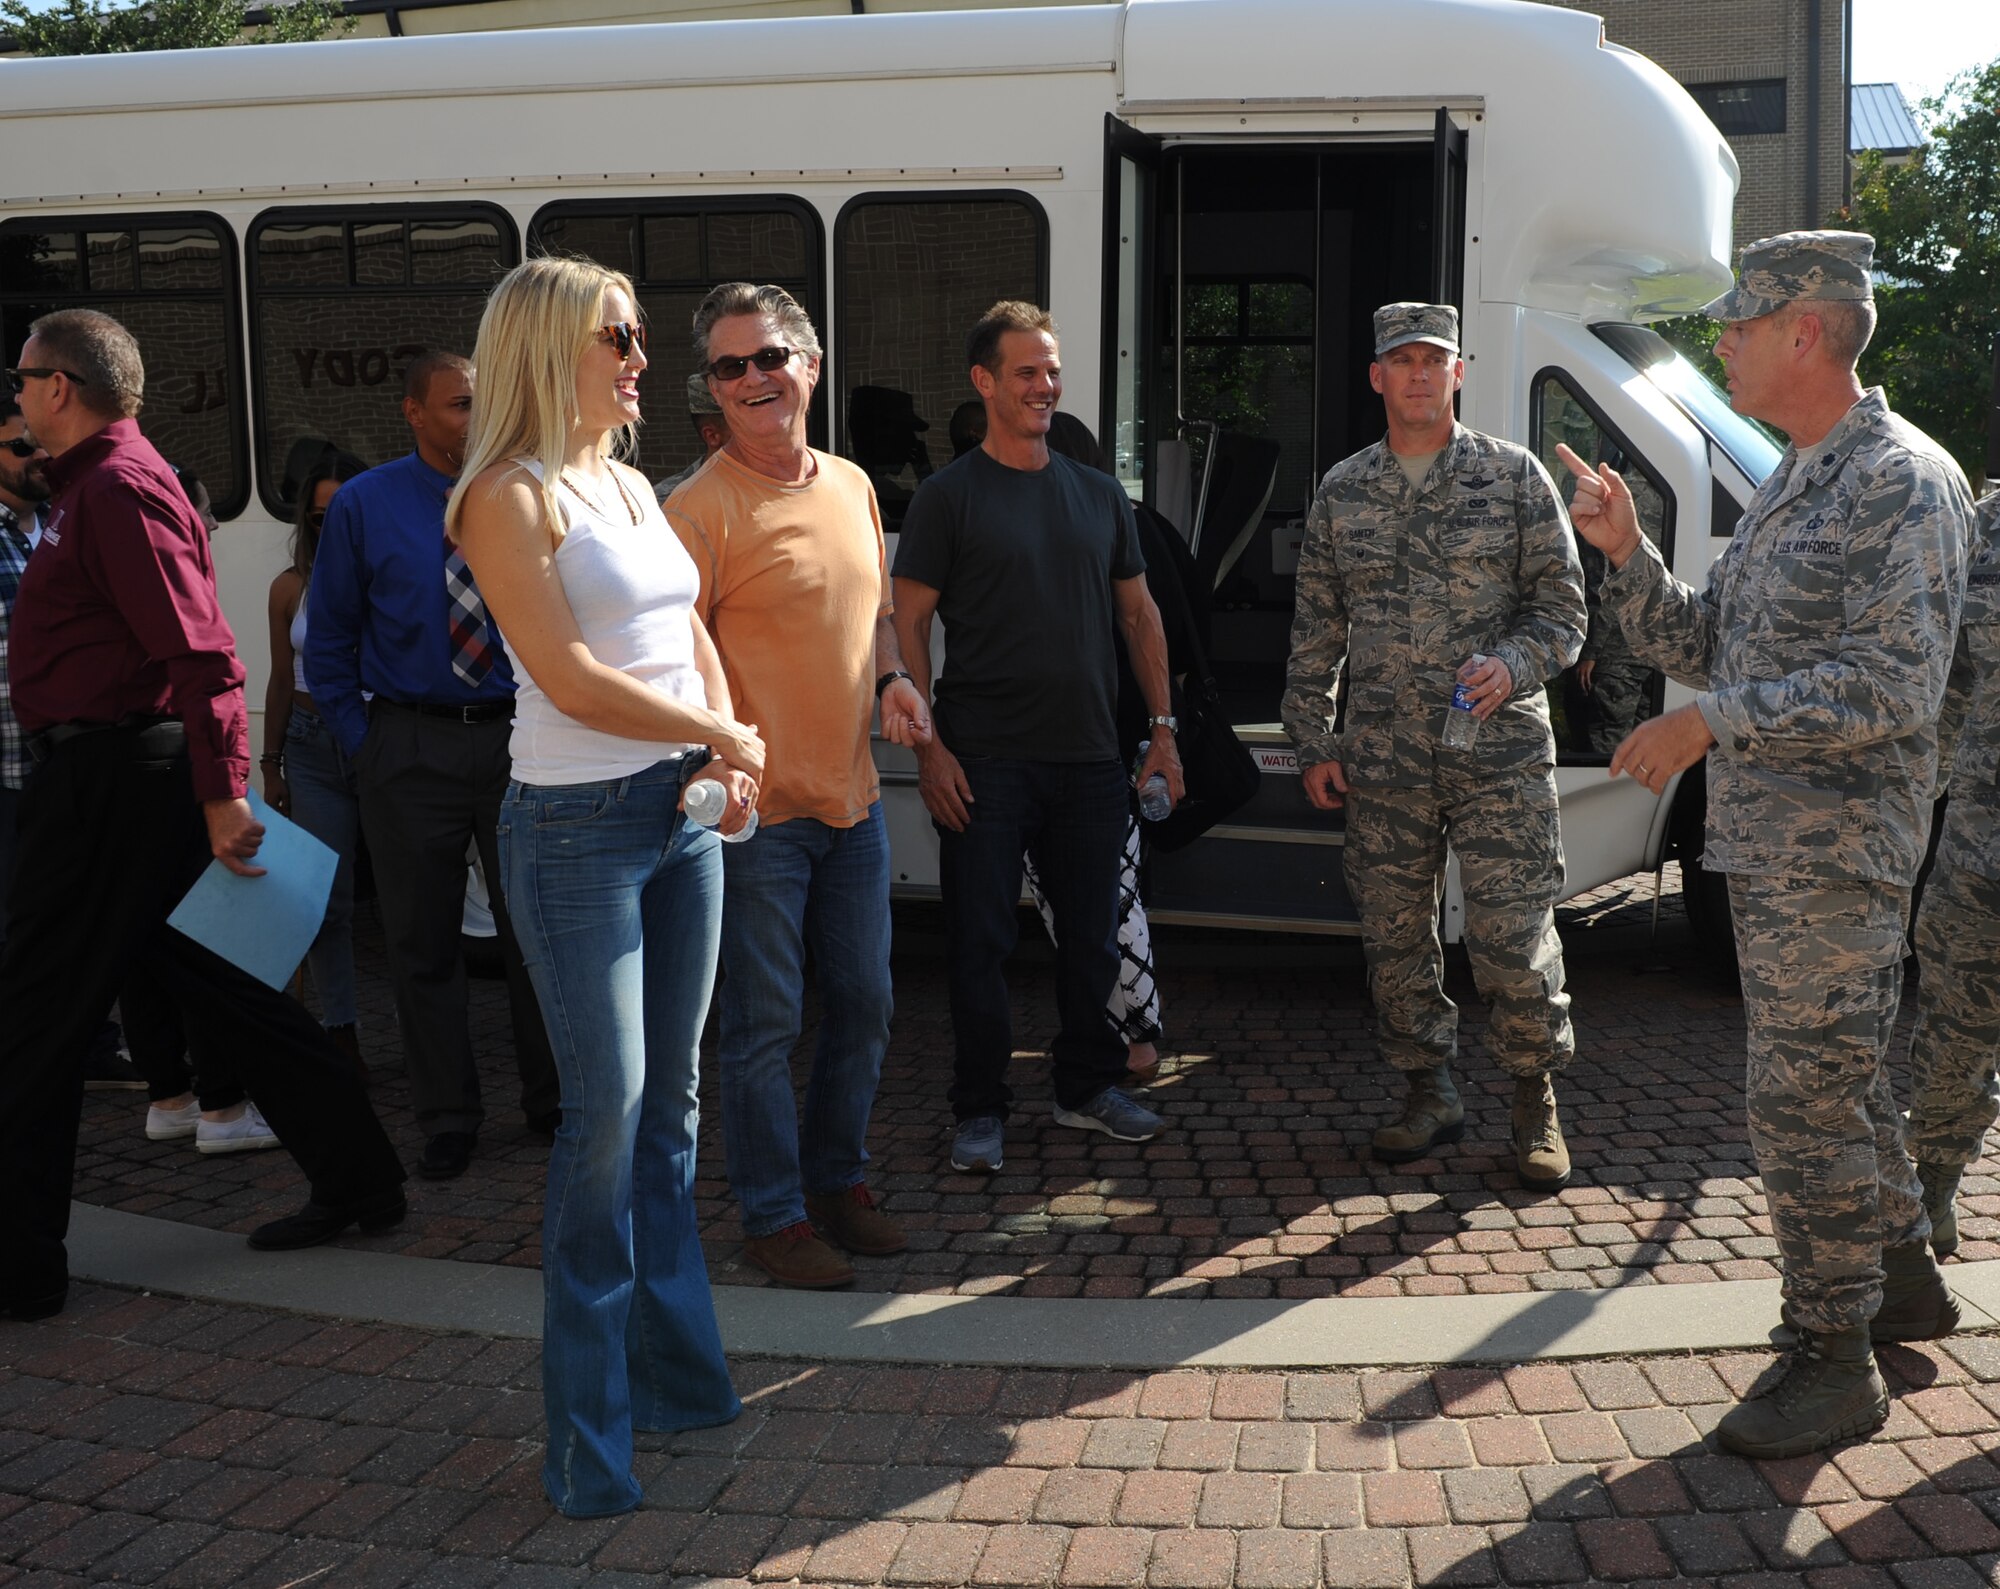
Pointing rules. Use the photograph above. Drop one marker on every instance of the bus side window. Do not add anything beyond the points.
(171, 281)
(912, 277)
(1609, 691)
(675, 250)
(341, 301)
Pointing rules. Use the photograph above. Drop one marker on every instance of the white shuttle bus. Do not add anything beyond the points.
(1212, 196)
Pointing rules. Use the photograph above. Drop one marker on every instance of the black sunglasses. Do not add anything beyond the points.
(732, 368)
(19, 379)
(624, 334)
(21, 447)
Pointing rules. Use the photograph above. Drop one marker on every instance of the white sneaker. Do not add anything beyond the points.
(247, 1133)
(172, 1125)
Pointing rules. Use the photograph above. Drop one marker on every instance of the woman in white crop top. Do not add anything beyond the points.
(616, 896)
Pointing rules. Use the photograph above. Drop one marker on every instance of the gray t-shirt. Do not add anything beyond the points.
(1023, 562)
(1415, 465)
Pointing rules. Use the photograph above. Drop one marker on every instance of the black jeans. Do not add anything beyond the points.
(173, 1057)
(1070, 818)
(431, 788)
(111, 837)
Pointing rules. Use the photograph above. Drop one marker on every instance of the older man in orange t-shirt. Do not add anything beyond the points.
(795, 590)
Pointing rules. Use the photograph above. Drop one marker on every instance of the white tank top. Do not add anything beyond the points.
(299, 647)
(632, 588)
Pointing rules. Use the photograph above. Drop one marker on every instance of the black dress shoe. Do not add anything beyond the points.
(321, 1222)
(27, 1309)
(446, 1155)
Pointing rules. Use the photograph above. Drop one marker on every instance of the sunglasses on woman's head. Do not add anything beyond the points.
(732, 368)
(624, 334)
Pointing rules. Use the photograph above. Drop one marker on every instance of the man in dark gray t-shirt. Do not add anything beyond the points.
(1002, 545)
(1029, 559)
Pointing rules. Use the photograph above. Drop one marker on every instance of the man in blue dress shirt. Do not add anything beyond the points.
(400, 658)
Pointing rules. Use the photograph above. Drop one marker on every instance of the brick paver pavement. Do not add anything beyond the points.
(1260, 1187)
(150, 1441)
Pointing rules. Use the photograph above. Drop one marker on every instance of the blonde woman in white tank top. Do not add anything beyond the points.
(616, 896)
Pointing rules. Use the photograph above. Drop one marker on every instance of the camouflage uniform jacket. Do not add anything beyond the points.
(1405, 585)
(1603, 640)
(1822, 642)
(1969, 728)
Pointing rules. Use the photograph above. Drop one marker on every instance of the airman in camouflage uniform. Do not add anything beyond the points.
(1466, 573)
(1954, 1092)
(1821, 647)
(1615, 683)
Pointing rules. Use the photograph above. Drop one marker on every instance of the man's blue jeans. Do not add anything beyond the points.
(618, 905)
(794, 885)
(1069, 817)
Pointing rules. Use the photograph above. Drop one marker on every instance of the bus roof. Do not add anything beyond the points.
(1603, 191)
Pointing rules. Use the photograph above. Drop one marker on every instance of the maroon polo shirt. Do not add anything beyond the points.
(117, 614)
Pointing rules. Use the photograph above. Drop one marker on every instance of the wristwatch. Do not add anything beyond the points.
(888, 679)
(1171, 724)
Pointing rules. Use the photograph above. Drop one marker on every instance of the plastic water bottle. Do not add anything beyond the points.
(1156, 801)
(705, 801)
(1461, 723)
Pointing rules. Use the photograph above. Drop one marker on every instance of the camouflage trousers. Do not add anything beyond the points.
(1617, 700)
(1504, 829)
(1822, 965)
(1954, 1096)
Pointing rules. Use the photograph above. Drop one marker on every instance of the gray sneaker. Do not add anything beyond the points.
(976, 1149)
(1113, 1113)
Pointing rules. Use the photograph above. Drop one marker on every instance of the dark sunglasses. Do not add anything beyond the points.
(19, 379)
(624, 334)
(315, 517)
(766, 359)
(21, 447)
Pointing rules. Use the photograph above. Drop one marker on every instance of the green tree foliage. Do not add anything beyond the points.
(80, 27)
(1936, 224)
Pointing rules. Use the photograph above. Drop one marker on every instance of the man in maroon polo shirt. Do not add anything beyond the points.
(125, 678)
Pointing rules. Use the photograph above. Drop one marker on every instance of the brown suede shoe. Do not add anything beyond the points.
(796, 1257)
(852, 1219)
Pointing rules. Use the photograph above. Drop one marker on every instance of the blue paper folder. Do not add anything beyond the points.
(263, 924)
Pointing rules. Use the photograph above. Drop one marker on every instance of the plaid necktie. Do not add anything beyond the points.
(471, 634)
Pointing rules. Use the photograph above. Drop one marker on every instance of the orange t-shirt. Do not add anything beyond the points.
(793, 579)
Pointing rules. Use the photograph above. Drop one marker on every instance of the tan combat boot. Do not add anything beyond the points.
(1540, 1154)
(1941, 1203)
(1916, 1303)
(1432, 1116)
(1830, 1390)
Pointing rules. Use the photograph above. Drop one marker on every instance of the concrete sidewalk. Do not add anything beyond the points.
(995, 1331)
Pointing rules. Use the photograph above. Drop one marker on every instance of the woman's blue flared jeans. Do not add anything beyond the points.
(617, 903)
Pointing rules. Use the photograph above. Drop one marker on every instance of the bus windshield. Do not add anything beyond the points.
(1749, 445)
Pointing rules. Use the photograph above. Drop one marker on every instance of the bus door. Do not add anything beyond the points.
(1245, 276)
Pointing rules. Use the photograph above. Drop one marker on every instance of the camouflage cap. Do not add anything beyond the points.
(1397, 323)
(700, 399)
(1796, 266)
